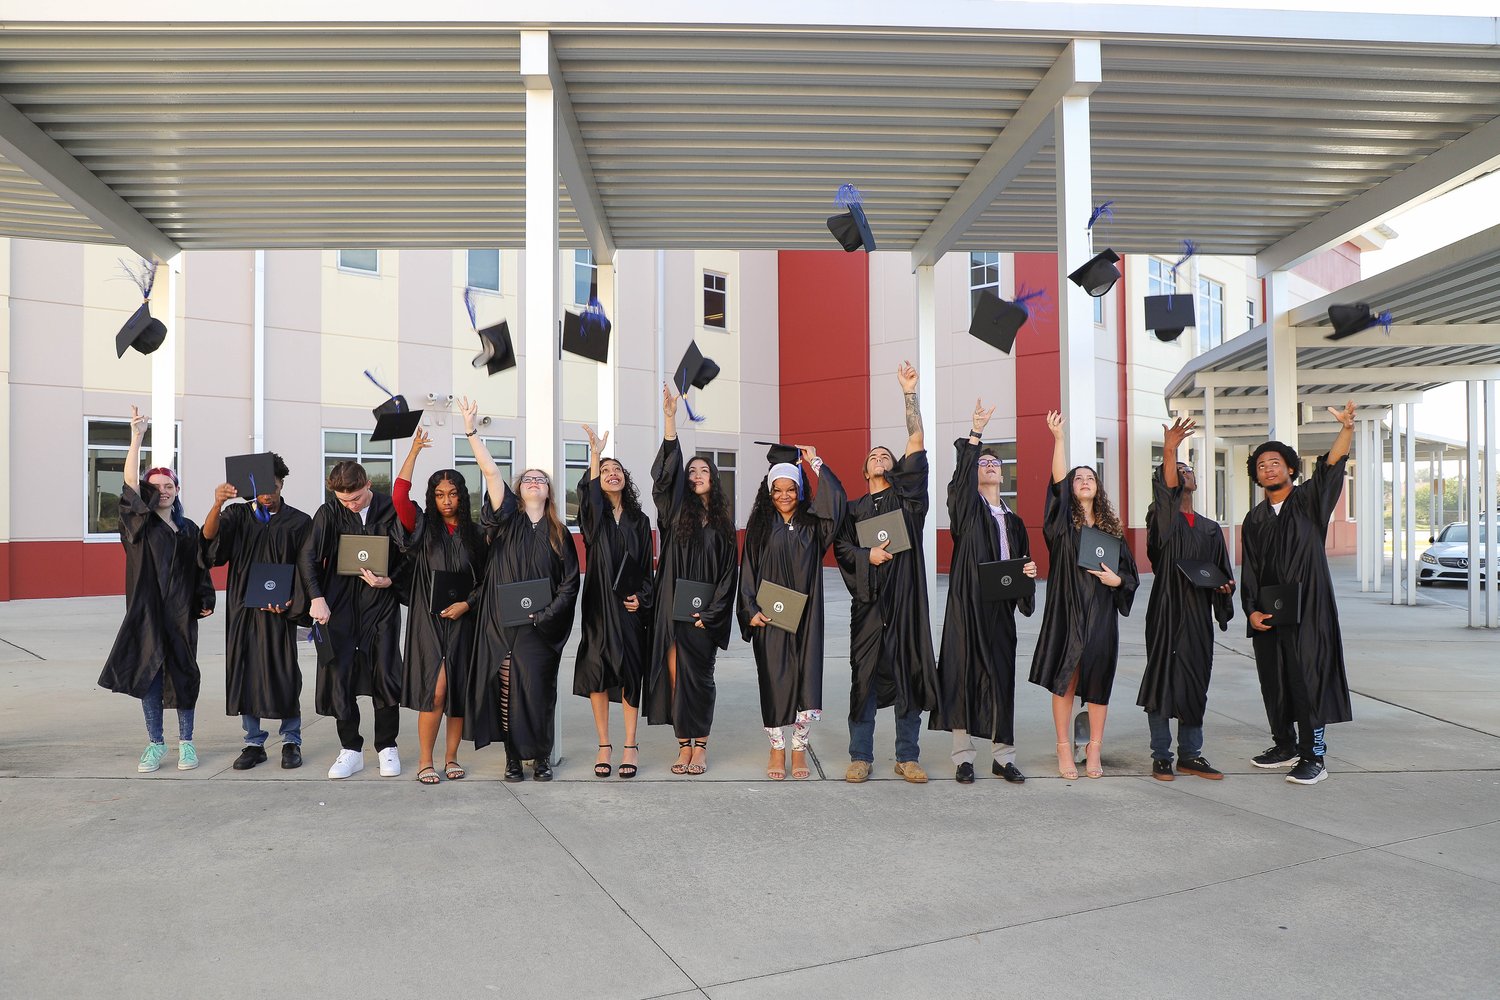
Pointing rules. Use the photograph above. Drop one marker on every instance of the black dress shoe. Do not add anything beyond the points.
(965, 774)
(1010, 772)
(249, 757)
(513, 770)
(541, 770)
(291, 756)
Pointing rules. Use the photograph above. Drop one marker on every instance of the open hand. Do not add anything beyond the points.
(981, 416)
(469, 408)
(596, 443)
(668, 401)
(1181, 429)
(809, 453)
(1344, 416)
(1260, 621)
(906, 374)
(420, 441)
(137, 423)
(1055, 421)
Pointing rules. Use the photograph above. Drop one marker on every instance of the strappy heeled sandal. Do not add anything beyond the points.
(628, 770)
(1071, 772)
(602, 769)
(1095, 772)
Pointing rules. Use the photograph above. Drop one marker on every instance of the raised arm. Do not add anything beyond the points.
(1172, 438)
(669, 411)
(1345, 417)
(596, 450)
(223, 493)
(133, 456)
(493, 484)
(907, 375)
(419, 441)
(1055, 422)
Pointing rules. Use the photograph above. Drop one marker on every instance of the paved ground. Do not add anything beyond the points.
(1382, 881)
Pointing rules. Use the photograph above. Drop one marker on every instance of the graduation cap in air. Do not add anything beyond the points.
(496, 353)
(851, 229)
(997, 321)
(142, 331)
(1168, 315)
(586, 334)
(1348, 320)
(1099, 275)
(695, 371)
(394, 419)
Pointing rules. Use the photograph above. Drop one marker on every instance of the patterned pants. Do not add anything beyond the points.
(800, 731)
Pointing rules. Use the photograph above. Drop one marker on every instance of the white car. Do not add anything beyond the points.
(1447, 559)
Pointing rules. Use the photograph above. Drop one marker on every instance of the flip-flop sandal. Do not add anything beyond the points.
(428, 776)
(453, 770)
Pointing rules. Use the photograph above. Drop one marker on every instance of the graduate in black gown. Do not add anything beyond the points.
(977, 659)
(786, 538)
(358, 619)
(443, 538)
(890, 641)
(616, 628)
(513, 684)
(698, 544)
(1180, 614)
(1301, 666)
(167, 589)
(262, 679)
(1079, 644)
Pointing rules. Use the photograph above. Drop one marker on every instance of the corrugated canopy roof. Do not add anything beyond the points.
(313, 129)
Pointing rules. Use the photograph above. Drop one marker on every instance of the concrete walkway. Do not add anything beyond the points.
(1382, 881)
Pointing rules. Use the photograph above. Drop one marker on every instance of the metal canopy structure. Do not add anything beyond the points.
(310, 128)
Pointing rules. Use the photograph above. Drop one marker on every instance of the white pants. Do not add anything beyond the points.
(965, 750)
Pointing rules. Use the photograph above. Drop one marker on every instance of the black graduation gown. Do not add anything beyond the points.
(890, 641)
(433, 642)
(1290, 548)
(261, 675)
(612, 651)
(166, 590)
(707, 557)
(977, 660)
(520, 551)
(1081, 620)
(360, 651)
(1179, 615)
(790, 665)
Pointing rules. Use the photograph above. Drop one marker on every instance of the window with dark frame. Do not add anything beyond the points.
(725, 461)
(502, 450)
(107, 442)
(715, 300)
(375, 456)
(984, 275)
(585, 274)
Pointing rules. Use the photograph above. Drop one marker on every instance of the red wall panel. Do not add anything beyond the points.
(1038, 389)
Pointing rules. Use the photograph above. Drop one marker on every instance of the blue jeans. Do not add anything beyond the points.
(151, 704)
(255, 736)
(862, 734)
(1189, 739)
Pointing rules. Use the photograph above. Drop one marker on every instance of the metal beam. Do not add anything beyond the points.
(540, 71)
(1438, 173)
(1075, 74)
(1406, 335)
(1353, 376)
(37, 153)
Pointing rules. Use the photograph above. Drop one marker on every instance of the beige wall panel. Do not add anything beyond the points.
(580, 391)
(220, 285)
(430, 309)
(359, 317)
(219, 360)
(47, 347)
(293, 367)
(294, 289)
(212, 427)
(57, 453)
(754, 313)
(294, 431)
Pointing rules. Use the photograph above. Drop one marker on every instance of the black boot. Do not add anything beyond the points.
(513, 770)
(541, 769)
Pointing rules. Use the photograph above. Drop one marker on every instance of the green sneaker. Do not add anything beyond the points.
(151, 758)
(187, 757)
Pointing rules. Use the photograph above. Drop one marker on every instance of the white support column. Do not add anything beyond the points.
(543, 369)
(164, 372)
(1377, 504)
(1472, 503)
(1487, 497)
(1409, 529)
(609, 372)
(1361, 467)
(1398, 496)
(1207, 486)
(258, 357)
(1281, 360)
(1075, 311)
(927, 402)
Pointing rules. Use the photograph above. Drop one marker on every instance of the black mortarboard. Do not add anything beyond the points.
(251, 475)
(851, 229)
(694, 370)
(1099, 275)
(1348, 320)
(587, 334)
(1168, 315)
(496, 353)
(778, 452)
(394, 419)
(1202, 574)
(996, 321)
(141, 331)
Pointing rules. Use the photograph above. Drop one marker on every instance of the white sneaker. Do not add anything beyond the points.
(349, 762)
(390, 762)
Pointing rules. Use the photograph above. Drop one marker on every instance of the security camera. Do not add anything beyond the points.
(450, 399)
(484, 421)
(432, 397)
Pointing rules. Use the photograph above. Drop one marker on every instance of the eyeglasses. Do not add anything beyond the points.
(533, 480)
(989, 463)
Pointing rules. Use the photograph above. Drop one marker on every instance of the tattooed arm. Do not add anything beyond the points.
(908, 378)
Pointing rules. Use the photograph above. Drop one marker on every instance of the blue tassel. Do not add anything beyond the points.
(848, 195)
(1384, 320)
(469, 305)
(378, 385)
(1035, 303)
(1188, 249)
(695, 418)
(593, 318)
(314, 636)
(142, 275)
(1101, 210)
(261, 514)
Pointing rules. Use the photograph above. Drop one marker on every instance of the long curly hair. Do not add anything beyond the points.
(714, 512)
(467, 531)
(764, 516)
(1105, 518)
(630, 498)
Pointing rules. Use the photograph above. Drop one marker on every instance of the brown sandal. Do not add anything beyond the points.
(681, 767)
(698, 768)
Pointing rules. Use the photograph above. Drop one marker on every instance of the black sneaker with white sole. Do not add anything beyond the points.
(1275, 757)
(1309, 771)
